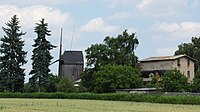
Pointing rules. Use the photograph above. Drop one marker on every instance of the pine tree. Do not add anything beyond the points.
(41, 58)
(12, 57)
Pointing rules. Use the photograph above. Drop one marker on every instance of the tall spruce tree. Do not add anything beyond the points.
(41, 58)
(12, 57)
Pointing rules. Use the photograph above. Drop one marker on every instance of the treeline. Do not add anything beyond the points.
(113, 65)
(12, 58)
(110, 65)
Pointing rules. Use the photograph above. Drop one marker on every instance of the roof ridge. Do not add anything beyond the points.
(165, 57)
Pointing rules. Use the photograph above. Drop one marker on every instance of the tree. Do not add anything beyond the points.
(119, 51)
(87, 79)
(111, 77)
(174, 81)
(191, 49)
(41, 58)
(196, 82)
(12, 57)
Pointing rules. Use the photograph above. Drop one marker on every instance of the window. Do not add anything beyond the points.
(188, 74)
(188, 62)
(178, 62)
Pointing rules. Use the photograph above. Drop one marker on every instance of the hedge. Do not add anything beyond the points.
(151, 98)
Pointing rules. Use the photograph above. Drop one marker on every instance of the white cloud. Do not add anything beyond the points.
(183, 30)
(28, 16)
(117, 3)
(160, 8)
(39, 2)
(98, 25)
(167, 27)
(114, 4)
(132, 30)
(121, 15)
(165, 51)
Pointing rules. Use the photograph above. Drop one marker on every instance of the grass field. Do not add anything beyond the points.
(68, 105)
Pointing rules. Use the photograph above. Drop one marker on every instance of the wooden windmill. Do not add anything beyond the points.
(71, 63)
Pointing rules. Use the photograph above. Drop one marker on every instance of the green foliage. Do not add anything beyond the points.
(151, 98)
(154, 82)
(12, 57)
(27, 87)
(196, 82)
(87, 79)
(41, 58)
(52, 83)
(115, 51)
(174, 81)
(191, 49)
(119, 50)
(111, 77)
(65, 85)
(55, 84)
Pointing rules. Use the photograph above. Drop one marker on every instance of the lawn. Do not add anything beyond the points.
(69, 105)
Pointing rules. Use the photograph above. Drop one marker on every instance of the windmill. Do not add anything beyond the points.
(71, 63)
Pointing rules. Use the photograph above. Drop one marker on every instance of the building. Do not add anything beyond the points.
(158, 65)
(71, 65)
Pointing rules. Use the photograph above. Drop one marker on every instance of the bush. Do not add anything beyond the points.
(196, 84)
(174, 81)
(111, 77)
(151, 98)
(65, 85)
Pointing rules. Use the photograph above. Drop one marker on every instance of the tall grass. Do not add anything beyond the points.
(77, 105)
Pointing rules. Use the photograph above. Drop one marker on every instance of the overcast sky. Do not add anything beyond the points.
(160, 25)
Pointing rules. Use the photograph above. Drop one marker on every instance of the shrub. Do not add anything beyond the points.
(151, 98)
(65, 85)
(111, 77)
(174, 81)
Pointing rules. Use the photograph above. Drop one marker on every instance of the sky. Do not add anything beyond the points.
(160, 25)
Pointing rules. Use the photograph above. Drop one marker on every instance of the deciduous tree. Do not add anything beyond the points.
(119, 50)
(114, 51)
(111, 77)
(191, 49)
(174, 81)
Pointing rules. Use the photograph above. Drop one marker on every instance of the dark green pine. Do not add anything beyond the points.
(12, 57)
(41, 58)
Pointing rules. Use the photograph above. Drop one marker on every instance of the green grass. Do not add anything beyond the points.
(73, 105)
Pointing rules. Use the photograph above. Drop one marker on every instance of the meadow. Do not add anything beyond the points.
(74, 105)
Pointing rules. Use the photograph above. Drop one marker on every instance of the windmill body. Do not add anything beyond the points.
(71, 65)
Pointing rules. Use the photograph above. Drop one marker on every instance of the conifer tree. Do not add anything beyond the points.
(41, 58)
(12, 57)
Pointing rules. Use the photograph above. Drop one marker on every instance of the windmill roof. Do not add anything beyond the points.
(72, 57)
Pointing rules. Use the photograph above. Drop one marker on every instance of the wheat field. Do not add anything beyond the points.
(69, 105)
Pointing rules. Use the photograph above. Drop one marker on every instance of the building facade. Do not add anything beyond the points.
(158, 65)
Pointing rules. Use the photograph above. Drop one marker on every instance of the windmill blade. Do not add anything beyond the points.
(55, 61)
